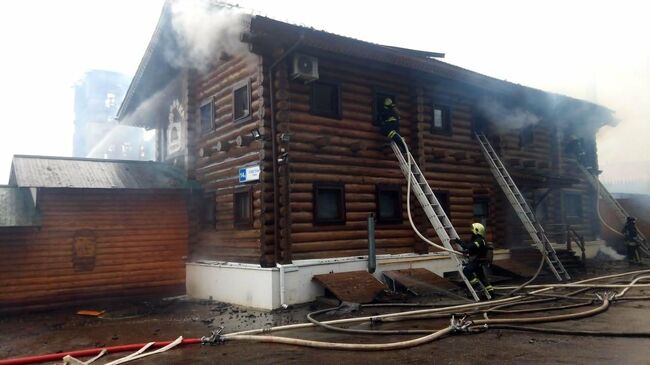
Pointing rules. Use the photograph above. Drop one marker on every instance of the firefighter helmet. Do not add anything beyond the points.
(479, 229)
(388, 102)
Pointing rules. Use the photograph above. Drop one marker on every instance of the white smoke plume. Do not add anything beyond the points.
(610, 253)
(505, 118)
(204, 31)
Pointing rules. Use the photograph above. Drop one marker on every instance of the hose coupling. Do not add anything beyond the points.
(215, 337)
(606, 295)
(460, 325)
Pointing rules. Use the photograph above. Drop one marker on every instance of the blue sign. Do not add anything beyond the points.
(250, 173)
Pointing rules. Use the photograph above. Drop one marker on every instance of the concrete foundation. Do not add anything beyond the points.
(257, 287)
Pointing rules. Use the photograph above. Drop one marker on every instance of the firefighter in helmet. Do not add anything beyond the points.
(631, 238)
(478, 254)
(389, 118)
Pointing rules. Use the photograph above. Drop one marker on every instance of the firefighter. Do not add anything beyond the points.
(631, 238)
(478, 252)
(389, 117)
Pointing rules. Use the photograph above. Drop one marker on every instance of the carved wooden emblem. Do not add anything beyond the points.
(83, 250)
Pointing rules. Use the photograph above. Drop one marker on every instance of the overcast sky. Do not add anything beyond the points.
(593, 50)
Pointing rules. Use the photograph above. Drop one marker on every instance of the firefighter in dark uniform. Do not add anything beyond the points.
(631, 238)
(389, 117)
(478, 252)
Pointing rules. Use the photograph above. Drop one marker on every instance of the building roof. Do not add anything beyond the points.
(17, 208)
(152, 70)
(67, 172)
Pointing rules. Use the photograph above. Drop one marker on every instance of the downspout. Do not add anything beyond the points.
(274, 153)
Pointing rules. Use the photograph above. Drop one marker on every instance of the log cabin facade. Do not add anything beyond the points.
(323, 164)
(74, 230)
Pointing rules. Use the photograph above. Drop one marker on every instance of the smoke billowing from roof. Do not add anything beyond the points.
(505, 118)
(203, 31)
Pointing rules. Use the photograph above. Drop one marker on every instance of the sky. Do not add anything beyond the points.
(592, 50)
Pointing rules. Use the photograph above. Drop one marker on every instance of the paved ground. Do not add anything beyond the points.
(162, 320)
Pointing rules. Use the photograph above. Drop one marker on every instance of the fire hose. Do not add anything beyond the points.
(456, 326)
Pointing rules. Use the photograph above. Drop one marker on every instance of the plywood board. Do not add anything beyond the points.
(352, 286)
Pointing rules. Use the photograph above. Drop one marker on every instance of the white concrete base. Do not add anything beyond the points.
(253, 286)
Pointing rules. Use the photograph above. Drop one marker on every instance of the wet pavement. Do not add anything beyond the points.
(125, 323)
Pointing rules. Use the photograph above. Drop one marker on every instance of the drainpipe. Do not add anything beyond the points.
(372, 256)
(274, 153)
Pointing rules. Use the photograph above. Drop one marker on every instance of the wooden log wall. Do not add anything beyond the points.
(349, 150)
(96, 243)
(223, 153)
(454, 162)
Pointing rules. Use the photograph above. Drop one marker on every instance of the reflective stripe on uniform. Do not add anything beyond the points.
(392, 134)
(474, 281)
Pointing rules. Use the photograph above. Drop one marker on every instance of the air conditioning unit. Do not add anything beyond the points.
(304, 68)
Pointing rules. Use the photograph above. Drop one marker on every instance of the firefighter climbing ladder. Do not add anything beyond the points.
(524, 212)
(433, 211)
(621, 213)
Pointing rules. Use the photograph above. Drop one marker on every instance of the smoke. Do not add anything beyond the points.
(505, 118)
(156, 105)
(608, 252)
(204, 31)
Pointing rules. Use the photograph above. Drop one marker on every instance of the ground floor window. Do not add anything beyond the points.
(481, 205)
(572, 205)
(329, 203)
(443, 199)
(243, 208)
(389, 203)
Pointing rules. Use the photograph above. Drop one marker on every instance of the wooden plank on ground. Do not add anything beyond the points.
(352, 286)
(420, 281)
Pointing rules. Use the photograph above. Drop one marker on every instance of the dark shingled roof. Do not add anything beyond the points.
(17, 208)
(66, 172)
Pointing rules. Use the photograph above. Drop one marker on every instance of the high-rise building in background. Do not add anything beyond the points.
(97, 134)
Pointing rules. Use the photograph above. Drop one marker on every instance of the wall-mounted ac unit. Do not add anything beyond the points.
(304, 68)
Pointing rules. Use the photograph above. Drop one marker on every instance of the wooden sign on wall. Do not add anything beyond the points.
(83, 250)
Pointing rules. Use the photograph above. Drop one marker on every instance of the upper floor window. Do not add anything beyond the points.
(389, 203)
(206, 115)
(241, 102)
(326, 99)
(441, 120)
(329, 203)
(526, 135)
(378, 105)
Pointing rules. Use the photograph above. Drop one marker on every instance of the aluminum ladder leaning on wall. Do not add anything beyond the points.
(434, 212)
(525, 214)
(621, 213)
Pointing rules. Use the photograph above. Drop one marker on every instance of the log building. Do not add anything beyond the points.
(76, 229)
(282, 135)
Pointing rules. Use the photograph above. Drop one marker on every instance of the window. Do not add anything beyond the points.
(326, 99)
(481, 210)
(243, 208)
(389, 203)
(441, 120)
(572, 205)
(379, 105)
(329, 203)
(241, 103)
(443, 199)
(526, 135)
(208, 213)
(478, 124)
(206, 115)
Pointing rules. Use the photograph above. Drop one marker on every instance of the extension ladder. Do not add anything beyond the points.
(522, 209)
(621, 213)
(434, 212)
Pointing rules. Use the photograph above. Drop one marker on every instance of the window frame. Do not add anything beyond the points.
(375, 94)
(323, 113)
(445, 203)
(341, 219)
(526, 135)
(397, 218)
(242, 222)
(209, 209)
(235, 88)
(566, 196)
(478, 199)
(204, 103)
(446, 128)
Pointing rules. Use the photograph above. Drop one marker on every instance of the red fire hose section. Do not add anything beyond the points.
(91, 352)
